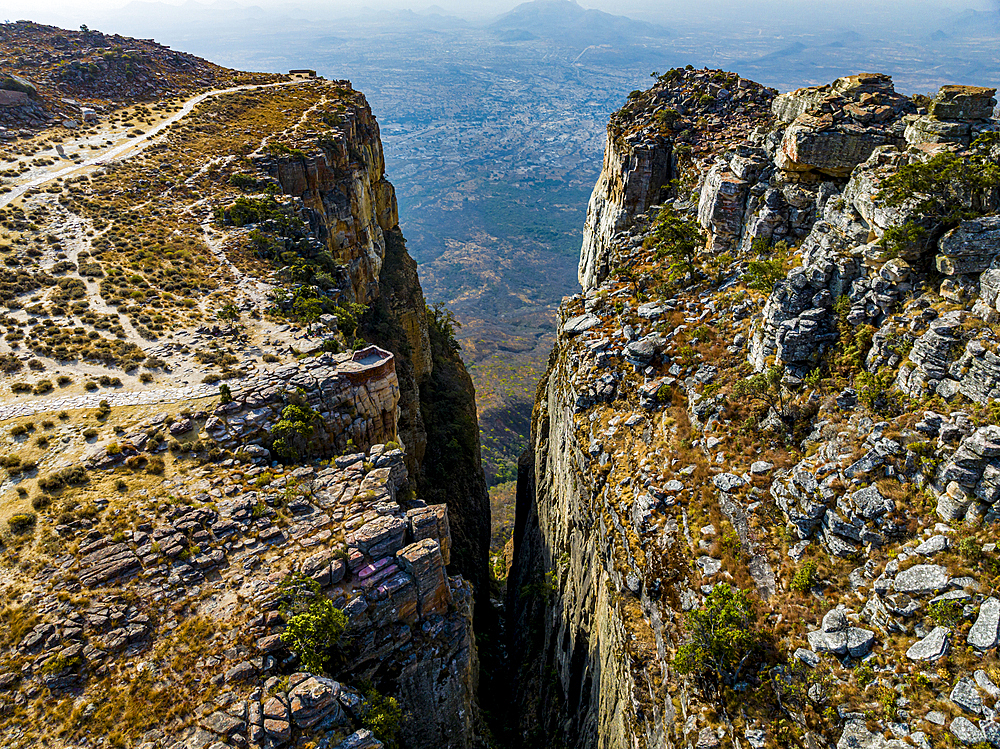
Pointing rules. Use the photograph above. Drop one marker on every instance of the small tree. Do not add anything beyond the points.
(678, 241)
(230, 314)
(382, 717)
(297, 422)
(314, 625)
(307, 309)
(764, 386)
(349, 317)
(722, 638)
(944, 190)
(769, 267)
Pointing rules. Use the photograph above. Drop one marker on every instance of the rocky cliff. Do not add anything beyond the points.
(274, 555)
(771, 410)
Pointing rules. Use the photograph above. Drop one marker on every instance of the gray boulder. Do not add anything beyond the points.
(985, 633)
(966, 696)
(728, 482)
(933, 545)
(871, 504)
(363, 739)
(966, 731)
(581, 323)
(969, 248)
(922, 578)
(932, 647)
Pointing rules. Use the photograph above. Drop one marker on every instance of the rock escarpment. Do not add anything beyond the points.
(270, 555)
(649, 142)
(807, 413)
(339, 182)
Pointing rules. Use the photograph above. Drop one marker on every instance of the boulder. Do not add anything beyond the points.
(720, 208)
(970, 247)
(728, 482)
(581, 323)
(933, 545)
(966, 696)
(641, 352)
(11, 82)
(932, 647)
(314, 700)
(871, 504)
(363, 739)
(985, 633)
(838, 637)
(963, 103)
(922, 578)
(382, 536)
(966, 731)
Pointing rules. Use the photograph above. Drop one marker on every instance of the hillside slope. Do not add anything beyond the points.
(759, 509)
(218, 421)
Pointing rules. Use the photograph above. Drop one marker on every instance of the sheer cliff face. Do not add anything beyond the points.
(354, 208)
(835, 487)
(634, 175)
(344, 183)
(571, 628)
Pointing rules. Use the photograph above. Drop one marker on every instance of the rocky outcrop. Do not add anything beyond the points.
(661, 466)
(343, 183)
(351, 208)
(631, 180)
(355, 397)
(652, 139)
(834, 128)
(969, 248)
(957, 114)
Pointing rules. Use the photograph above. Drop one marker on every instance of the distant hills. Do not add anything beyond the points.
(565, 21)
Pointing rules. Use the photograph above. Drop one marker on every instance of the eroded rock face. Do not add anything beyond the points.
(612, 546)
(631, 180)
(969, 248)
(344, 186)
(355, 395)
(649, 142)
(834, 128)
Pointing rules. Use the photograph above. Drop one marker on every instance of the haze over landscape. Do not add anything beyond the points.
(495, 375)
(493, 121)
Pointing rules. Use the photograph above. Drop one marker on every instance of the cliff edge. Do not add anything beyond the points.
(759, 505)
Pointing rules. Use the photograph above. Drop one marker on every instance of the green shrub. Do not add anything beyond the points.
(21, 522)
(382, 717)
(722, 638)
(296, 424)
(946, 613)
(677, 240)
(313, 624)
(805, 577)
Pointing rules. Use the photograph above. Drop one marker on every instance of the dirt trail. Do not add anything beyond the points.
(21, 185)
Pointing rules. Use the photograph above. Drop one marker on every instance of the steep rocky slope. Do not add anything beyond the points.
(780, 379)
(227, 519)
(49, 75)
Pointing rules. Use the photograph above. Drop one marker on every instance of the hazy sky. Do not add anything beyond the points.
(71, 13)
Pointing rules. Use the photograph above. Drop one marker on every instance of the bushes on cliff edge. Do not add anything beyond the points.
(678, 241)
(297, 423)
(944, 190)
(314, 625)
(382, 717)
(722, 638)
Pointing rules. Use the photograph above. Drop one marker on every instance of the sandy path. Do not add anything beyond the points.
(125, 150)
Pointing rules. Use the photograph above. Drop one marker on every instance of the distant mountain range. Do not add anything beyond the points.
(567, 22)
